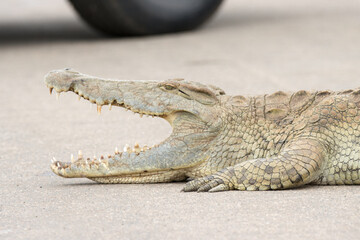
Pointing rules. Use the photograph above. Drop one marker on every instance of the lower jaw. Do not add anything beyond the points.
(156, 177)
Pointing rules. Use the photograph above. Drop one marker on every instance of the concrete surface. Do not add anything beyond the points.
(250, 47)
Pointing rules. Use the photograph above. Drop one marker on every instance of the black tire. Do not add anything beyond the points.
(145, 17)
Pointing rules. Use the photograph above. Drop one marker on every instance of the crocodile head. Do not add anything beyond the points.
(189, 107)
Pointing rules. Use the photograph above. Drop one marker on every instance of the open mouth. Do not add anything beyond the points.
(167, 161)
(104, 162)
(137, 164)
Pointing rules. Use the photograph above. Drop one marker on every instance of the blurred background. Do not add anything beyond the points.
(282, 44)
(246, 47)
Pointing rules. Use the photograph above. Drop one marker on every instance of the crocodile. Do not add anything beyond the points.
(220, 142)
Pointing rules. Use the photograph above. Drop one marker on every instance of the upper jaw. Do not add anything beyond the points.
(143, 97)
(131, 95)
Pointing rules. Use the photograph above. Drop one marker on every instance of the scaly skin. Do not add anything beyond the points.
(276, 141)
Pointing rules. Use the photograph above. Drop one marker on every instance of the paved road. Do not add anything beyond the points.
(250, 47)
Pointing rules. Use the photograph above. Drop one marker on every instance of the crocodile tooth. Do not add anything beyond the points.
(58, 164)
(99, 109)
(126, 148)
(57, 95)
(72, 158)
(136, 148)
(129, 150)
(53, 160)
(50, 90)
(141, 115)
(116, 150)
(110, 107)
(80, 155)
(79, 97)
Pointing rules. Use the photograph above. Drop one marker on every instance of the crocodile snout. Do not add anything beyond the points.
(61, 80)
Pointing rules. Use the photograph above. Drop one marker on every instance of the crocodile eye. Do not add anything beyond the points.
(169, 87)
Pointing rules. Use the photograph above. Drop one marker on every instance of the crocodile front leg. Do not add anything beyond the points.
(298, 164)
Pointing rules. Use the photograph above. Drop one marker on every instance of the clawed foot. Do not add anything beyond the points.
(220, 181)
